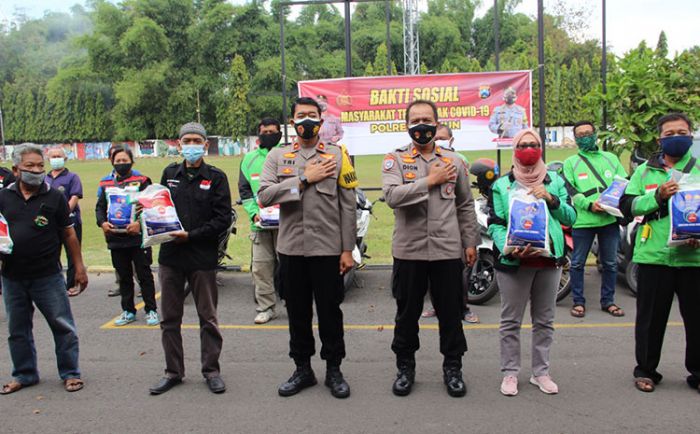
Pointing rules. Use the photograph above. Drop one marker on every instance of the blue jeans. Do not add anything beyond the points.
(50, 297)
(608, 240)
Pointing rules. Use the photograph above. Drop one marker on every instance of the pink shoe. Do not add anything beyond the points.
(545, 383)
(509, 386)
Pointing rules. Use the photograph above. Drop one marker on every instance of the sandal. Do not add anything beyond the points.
(644, 384)
(614, 310)
(578, 313)
(73, 384)
(11, 387)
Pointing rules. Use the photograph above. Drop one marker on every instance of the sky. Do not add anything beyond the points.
(629, 21)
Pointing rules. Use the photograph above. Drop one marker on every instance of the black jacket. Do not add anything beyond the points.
(119, 240)
(203, 205)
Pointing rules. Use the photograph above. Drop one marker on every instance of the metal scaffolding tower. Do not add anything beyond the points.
(411, 45)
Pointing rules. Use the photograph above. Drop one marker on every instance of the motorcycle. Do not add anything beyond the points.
(565, 282)
(359, 252)
(479, 280)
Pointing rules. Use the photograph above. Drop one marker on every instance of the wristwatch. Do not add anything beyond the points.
(304, 180)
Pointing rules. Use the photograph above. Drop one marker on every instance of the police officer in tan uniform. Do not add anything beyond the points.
(316, 237)
(435, 229)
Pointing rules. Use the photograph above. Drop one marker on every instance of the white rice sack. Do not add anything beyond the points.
(158, 215)
(610, 198)
(269, 217)
(120, 207)
(5, 240)
(528, 222)
(684, 211)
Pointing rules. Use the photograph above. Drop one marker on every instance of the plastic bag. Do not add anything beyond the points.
(5, 240)
(610, 198)
(684, 211)
(269, 217)
(120, 206)
(158, 216)
(528, 222)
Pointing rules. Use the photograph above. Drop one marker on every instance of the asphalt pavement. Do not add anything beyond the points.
(592, 361)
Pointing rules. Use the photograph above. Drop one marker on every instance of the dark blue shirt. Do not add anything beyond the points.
(69, 184)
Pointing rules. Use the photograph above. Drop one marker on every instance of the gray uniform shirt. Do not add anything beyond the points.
(507, 121)
(431, 224)
(319, 220)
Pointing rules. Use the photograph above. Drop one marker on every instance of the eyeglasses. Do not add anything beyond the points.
(527, 145)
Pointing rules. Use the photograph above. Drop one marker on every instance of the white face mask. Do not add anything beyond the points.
(443, 144)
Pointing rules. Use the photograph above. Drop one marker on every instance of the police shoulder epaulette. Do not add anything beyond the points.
(402, 148)
(172, 165)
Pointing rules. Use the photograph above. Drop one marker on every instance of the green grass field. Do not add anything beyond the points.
(96, 254)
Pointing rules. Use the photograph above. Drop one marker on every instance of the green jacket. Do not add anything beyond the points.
(249, 182)
(641, 198)
(584, 188)
(561, 213)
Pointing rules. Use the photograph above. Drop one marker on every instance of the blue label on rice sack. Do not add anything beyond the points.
(611, 196)
(528, 224)
(684, 213)
(119, 210)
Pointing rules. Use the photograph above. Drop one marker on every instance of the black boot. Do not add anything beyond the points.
(335, 381)
(452, 375)
(302, 378)
(404, 378)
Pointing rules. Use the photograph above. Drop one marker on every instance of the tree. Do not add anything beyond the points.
(235, 110)
(642, 87)
(662, 45)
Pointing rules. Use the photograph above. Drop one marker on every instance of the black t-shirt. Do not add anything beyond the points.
(6, 177)
(36, 227)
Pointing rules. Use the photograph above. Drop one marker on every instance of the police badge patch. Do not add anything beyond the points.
(388, 164)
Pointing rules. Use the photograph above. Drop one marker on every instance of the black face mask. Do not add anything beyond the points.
(510, 100)
(308, 128)
(268, 141)
(422, 133)
(123, 169)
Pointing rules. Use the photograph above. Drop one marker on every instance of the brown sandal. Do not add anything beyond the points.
(645, 385)
(578, 313)
(11, 387)
(614, 310)
(73, 384)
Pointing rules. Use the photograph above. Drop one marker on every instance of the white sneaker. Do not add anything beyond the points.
(545, 383)
(265, 316)
(509, 386)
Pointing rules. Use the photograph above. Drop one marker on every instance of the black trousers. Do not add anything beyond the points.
(70, 271)
(410, 283)
(655, 288)
(303, 280)
(122, 260)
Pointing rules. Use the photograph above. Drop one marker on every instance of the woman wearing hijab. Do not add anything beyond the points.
(526, 274)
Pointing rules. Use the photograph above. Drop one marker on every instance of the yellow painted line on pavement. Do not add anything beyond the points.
(380, 327)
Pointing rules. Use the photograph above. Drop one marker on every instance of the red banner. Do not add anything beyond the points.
(484, 110)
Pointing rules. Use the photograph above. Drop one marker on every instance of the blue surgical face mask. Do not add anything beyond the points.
(192, 153)
(57, 163)
(676, 146)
